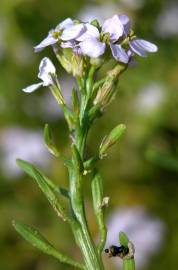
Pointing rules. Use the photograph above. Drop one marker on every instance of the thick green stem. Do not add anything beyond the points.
(84, 239)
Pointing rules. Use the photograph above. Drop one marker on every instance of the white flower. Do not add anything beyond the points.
(53, 35)
(114, 27)
(46, 69)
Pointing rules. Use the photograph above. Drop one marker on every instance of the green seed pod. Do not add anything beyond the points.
(111, 139)
(49, 141)
(128, 264)
(75, 102)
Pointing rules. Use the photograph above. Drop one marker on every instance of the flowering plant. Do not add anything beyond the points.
(85, 50)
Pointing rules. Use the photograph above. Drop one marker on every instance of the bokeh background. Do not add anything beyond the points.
(141, 172)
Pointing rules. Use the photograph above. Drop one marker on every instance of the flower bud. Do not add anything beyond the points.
(111, 139)
(72, 62)
(108, 90)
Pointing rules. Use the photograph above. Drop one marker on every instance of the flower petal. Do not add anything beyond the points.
(73, 32)
(46, 68)
(68, 44)
(141, 47)
(49, 40)
(32, 88)
(125, 22)
(65, 24)
(92, 47)
(137, 49)
(114, 27)
(91, 31)
(119, 53)
(146, 45)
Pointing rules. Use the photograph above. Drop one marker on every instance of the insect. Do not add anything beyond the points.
(115, 251)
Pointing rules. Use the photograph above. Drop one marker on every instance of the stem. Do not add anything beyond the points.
(80, 229)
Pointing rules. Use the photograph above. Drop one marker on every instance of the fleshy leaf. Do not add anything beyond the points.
(44, 185)
(35, 238)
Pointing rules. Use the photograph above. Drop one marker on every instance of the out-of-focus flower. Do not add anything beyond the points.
(67, 30)
(150, 98)
(24, 143)
(166, 24)
(144, 230)
(46, 69)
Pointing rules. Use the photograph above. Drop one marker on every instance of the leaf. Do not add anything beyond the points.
(46, 185)
(35, 238)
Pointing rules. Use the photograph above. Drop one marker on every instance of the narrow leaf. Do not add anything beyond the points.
(45, 185)
(35, 238)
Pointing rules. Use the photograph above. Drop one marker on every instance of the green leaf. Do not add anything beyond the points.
(47, 187)
(49, 141)
(35, 238)
(123, 239)
(111, 139)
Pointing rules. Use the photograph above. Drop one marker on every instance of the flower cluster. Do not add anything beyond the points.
(77, 45)
(92, 39)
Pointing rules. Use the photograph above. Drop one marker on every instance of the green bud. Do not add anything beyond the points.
(108, 89)
(111, 139)
(73, 63)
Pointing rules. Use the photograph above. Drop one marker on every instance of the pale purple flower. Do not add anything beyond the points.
(114, 27)
(89, 42)
(67, 30)
(92, 47)
(46, 69)
(119, 53)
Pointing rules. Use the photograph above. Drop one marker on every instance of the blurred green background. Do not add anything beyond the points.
(141, 172)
